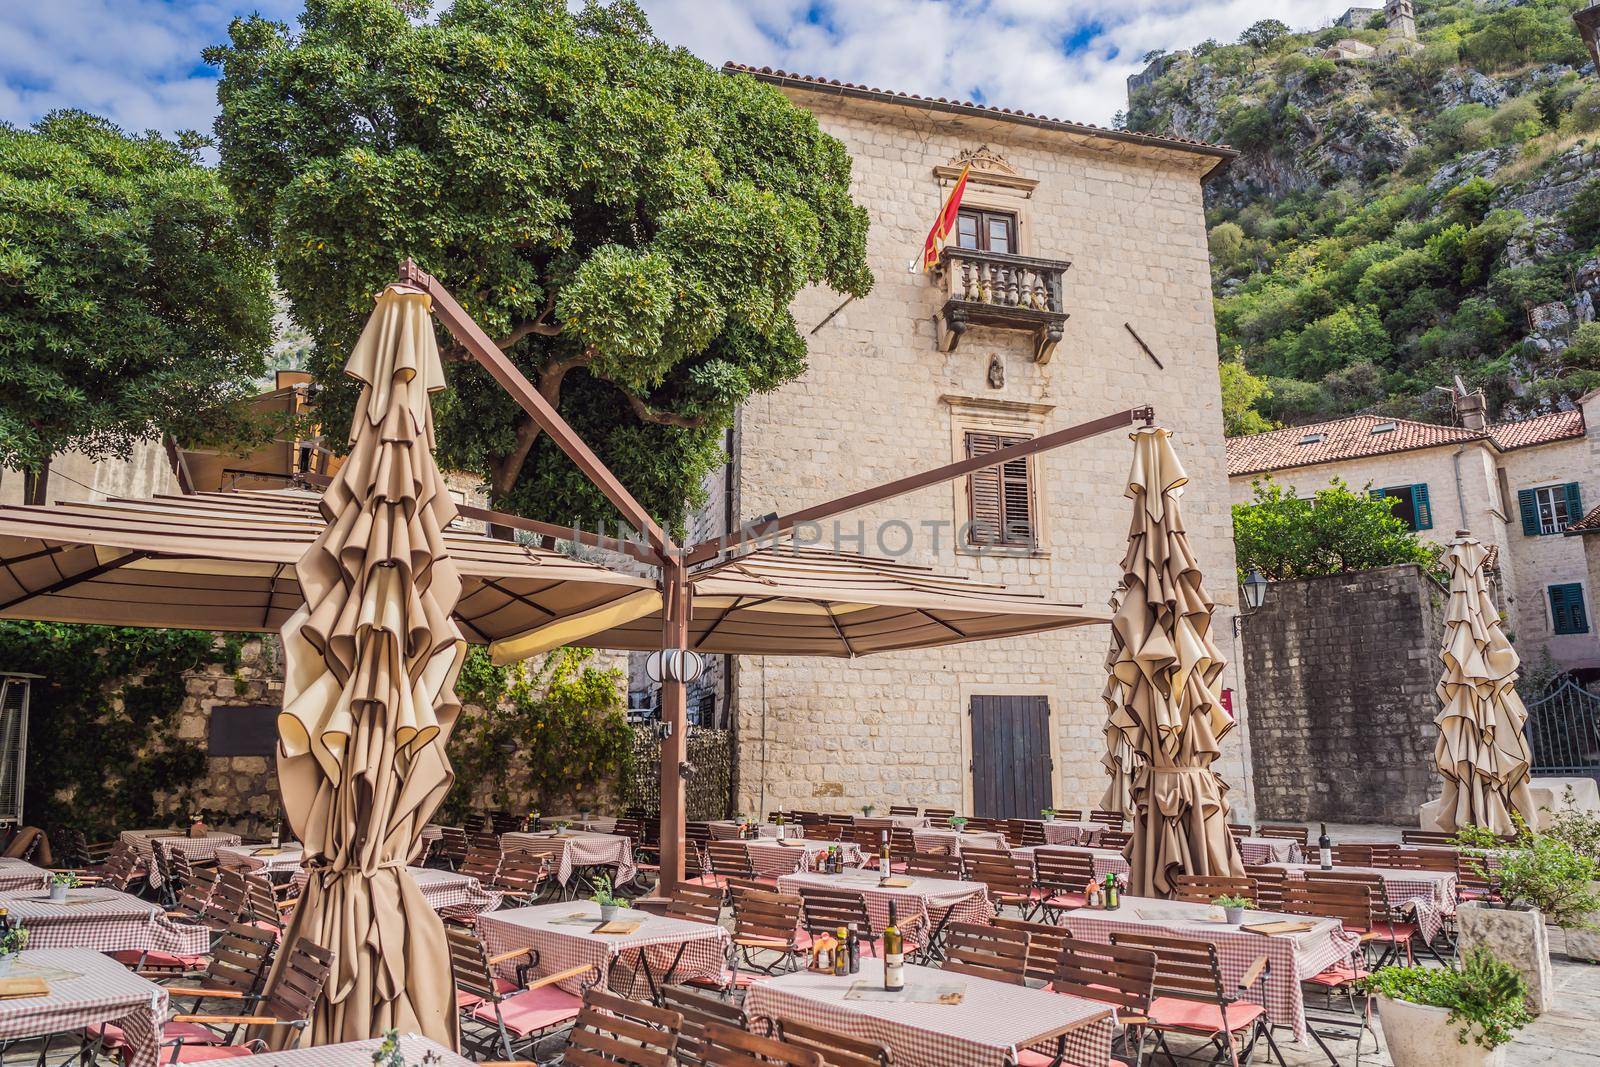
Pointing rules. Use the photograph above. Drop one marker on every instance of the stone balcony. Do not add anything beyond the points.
(1003, 291)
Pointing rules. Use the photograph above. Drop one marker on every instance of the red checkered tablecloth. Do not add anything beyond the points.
(918, 907)
(1106, 860)
(727, 830)
(86, 988)
(196, 848)
(1427, 896)
(20, 876)
(413, 1047)
(249, 858)
(563, 934)
(1063, 832)
(445, 890)
(104, 920)
(990, 1026)
(1261, 850)
(949, 840)
(770, 859)
(1292, 957)
(582, 849)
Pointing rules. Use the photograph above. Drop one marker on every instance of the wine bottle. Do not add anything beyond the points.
(1324, 848)
(854, 944)
(883, 854)
(894, 970)
(841, 952)
(1109, 893)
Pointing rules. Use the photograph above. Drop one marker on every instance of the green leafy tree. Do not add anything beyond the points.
(1241, 392)
(131, 302)
(1333, 531)
(1582, 216)
(629, 224)
(1264, 34)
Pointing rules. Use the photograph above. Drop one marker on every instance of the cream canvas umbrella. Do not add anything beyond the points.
(1167, 668)
(371, 659)
(1481, 753)
(1118, 760)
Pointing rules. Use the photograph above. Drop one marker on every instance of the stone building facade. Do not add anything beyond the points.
(1516, 486)
(892, 389)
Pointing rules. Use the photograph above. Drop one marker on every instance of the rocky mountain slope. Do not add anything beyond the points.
(1403, 210)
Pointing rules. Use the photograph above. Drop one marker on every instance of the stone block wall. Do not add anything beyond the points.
(1341, 673)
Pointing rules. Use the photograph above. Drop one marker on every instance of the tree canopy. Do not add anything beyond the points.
(131, 302)
(1333, 531)
(628, 223)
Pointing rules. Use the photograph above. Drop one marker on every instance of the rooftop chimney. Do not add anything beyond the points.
(1471, 407)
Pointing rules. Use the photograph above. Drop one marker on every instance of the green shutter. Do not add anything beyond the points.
(1567, 612)
(1528, 504)
(1574, 503)
(1420, 507)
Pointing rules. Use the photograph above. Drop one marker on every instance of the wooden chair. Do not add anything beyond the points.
(1428, 859)
(503, 822)
(1010, 882)
(765, 923)
(481, 863)
(1393, 933)
(902, 809)
(1116, 975)
(504, 1018)
(1240, 829)
(521, 878)
(836, 1049)
(1044, 945)
(1426, 837)
(611, 1031)
(289, 1000)
(1204, 888)
(1475, 877)
(699, 1010)
(1358, 913)
(986, 826)
(1070, 814)
(997, 953)
(1302, 834)
(1029, 833)
(1117, 840)
(823, 911)
(262, 905)
(826, 831)
(938, 817)
(1270, 882)
(725, 859)
(452, 847)
(934, 865)
(1116, 820)
(696, 903)
(1191, 997)
(484, 841)
(727, 1047)
(972, 855)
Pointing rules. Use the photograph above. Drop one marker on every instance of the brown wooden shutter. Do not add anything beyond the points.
(999, 499)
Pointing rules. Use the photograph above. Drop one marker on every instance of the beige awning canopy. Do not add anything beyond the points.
(226, 561)
(790, 601)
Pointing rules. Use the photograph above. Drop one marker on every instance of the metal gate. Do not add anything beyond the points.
(1563, 732)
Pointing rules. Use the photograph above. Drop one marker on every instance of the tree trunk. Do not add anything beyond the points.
(35, 484)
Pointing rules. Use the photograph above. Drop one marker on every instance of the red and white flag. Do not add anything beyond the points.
(943, 227)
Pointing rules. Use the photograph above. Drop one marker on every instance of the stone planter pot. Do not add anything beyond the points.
(1420, 1035)
(1515, 934)
(1584, 943)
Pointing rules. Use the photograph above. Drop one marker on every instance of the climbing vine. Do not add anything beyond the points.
(553, 734)
(103, 728)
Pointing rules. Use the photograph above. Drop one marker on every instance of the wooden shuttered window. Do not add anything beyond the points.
(1549, 509)
(1411, 506)
(1000, 499)
(1567, 610)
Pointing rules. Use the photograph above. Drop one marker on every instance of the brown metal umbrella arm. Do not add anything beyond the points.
(76, 579)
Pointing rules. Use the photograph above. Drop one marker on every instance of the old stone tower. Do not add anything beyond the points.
(1400, 19)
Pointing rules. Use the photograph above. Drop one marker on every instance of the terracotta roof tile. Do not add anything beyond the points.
(1589, 524)
(1539, 430)
(813, 81)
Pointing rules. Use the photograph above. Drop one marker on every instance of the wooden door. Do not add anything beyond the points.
(1011, 765)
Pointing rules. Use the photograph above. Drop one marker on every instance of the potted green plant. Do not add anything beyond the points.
(1048, 814)
(60, 882)
(1443, 1017)
(958, 823)
(12, 942)
(1233, 908)
(868, 809)
(561, 826)
(606, 898)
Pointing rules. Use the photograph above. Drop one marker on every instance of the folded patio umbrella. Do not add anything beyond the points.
(1167, 668)
(370, 664)
(1481, 753)
(1118, 760)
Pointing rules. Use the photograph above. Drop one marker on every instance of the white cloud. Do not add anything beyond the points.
(138, 61)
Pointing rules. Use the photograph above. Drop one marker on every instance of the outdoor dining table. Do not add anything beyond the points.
(951, 841)
(1427, 896)
(727, 829)
(772, 858)
(460, 894)
(1292, 957)
(923, 904)
(104, 920)
(195, 848)
(600, 824)
(86, 988)
(908, 822)
(262, 859)
(1067, 832)
(581, 849)
(566, 935)
(1106, 860)
(987, 1027)
(1261, 850)
(417, 1051)
(20, 876)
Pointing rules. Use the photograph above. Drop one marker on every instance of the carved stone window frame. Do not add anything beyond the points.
(1021, 418)
(993, 184)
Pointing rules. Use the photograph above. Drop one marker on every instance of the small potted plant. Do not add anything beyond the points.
(868, 809)
(561, 826)
(1442, 1017)
(958, 823)
(607, 899)
(13, 941)
(1048, 814)
(1233, 908)
(60, 882)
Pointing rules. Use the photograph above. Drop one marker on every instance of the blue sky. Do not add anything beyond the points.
(138, 61)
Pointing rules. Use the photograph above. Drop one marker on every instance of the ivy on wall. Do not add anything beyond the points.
(553, 735)
(103, 726)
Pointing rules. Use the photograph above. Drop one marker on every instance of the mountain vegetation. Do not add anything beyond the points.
(1401, 211)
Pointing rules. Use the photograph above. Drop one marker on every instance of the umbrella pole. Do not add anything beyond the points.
(674, 720)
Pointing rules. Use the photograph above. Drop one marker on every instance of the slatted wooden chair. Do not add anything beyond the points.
(938, 817)
(902, 846)
(1029, 833)
(765, 925)
(503, 822)
(1204, 888)
(1302, 834)
(1120, 977)
(1352, 855)
(933, 865)
(1390, 931)
(262, 904)
(987, 826)
(1113, 819)
(836, 1049)
(902, 809)
(826, 831)
(1044, 944)
(1475, 877)
(521, 878)
(972, 855)
(484, 841)
(699, 1010)
(1240, 829)
(452, 847)
(1192, 998)
(728, 859)
(997, 953)
(1270, 883)
(1428, 859)
(481, 863)
(502, 1018)
(1070, 814)
(611, 1031)
(1358, 913)
(1426, 837)
(823, 911)
(696, 903)
(1116, 840)
(1062, 876)
(727, 1047)
(289, 1000)
(1010, 882)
